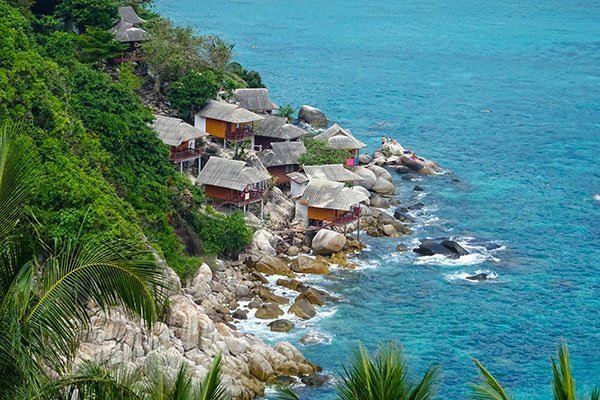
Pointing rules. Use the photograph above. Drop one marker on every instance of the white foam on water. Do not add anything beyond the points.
(597, 197)
(315, 337)
(477, 254)
(462, 276)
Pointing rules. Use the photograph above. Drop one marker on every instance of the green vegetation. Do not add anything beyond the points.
(45, 291)
(287, 111)
(190, 92)
(106, 173)
(563, 383)
(318, 153)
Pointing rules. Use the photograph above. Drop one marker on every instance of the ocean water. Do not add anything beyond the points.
(506, 95)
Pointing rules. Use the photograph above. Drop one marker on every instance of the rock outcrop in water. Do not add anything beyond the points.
(312, 116)
(448, 248)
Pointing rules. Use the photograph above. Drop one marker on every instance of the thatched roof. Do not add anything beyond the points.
(126, 32)
(227, 112)
(298, 177)
(282, 153)
(174, 131)
(277, 127)
(255, 99)
(231, 174)
(340, 138)
(330, 172)
(128, 14)
(331, 195)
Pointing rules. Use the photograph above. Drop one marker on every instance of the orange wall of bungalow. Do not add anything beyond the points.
(221, 193)
(216, 128)
(280, 172)
(324, 214)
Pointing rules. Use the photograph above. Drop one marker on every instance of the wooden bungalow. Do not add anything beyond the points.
(128, 31)
(226, 121)
(326, 203)
(274, 129)
(282, 159)
(340, 138)
(183, 139)
(255, 99)
(232, 182)
(327, 172)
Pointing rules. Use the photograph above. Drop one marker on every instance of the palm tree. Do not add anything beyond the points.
(219, 53)
(45, 296)
(563, 384)
(384, 376)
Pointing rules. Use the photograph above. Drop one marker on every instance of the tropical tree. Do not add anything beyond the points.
(46, 292)
(384, 376)
(563, 383)
(219, 53)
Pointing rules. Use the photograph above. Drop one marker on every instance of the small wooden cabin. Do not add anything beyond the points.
(255, 99)
(340, 138)
(183, 139)
(275, 129)
(233, 182)
(282, 159)
(329, 203)
(226, 121)
(128, 31)
(326, 172)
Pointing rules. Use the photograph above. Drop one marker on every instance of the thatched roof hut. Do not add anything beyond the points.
(255, 99)
(230, 174)
(278, 128)
(127, 32)
(331, 195)
(282, 153)
(127, 13)
(330, 172)
(340, 138)
(175, 131)
(227, 112)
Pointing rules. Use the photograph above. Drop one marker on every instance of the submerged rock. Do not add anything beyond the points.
(268, 311)
(480, 277)
(454, 247)
(315, 379)
(401, 215)
(418, 188)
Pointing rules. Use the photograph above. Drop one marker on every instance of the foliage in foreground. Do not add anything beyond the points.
(563, 383)
(45, 291)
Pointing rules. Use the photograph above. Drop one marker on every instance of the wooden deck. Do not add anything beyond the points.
(185, 155)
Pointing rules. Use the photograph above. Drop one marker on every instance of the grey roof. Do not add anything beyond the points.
(126, 32)
(332, 195)
(340, 138)
(174, 131)
(298, 177)
(233, 113)
(277, 127)
(330, 172)
(231, 174)
(282, 153)
(254, 99)
(128, 14)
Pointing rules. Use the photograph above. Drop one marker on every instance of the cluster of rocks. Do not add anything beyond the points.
(445, 247)
(403, 161)
(198, 326)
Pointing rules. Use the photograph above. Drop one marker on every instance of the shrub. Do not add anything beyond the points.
(318, 153)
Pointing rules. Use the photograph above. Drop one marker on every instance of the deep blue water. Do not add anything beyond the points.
(422, 71)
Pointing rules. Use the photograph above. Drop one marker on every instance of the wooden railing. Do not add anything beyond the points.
(242, 133)
(184, 155)
(240, 200)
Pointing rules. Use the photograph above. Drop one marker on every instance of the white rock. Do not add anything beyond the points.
(383, 186)
(368, 176)
(327, 241)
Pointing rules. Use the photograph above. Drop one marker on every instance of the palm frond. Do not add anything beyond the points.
(563, 384)
(595, 395)
(211, 387)
(489, 388)
(284, 393)
(426, 388)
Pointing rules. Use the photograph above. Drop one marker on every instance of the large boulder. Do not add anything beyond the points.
(327, 242)
(414, 165)
(307, 265)
(199, 287)
(312, 116)
(263, 242)
(273, 266)
(383, 186)
(364, 159)
(392, 149)
(281, 325)
(270, 297)
(313, 296)
(268, 311)
(454, 247)
(303, 309)
(401, 215)
(378, 202)
(368, 177)
(432, 247)
(380, 172)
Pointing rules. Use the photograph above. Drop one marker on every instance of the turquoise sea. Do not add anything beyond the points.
(506, 95)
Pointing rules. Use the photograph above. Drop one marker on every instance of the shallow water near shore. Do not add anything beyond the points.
(504, 94)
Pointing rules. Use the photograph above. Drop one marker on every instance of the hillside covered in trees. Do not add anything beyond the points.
(103, 171)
